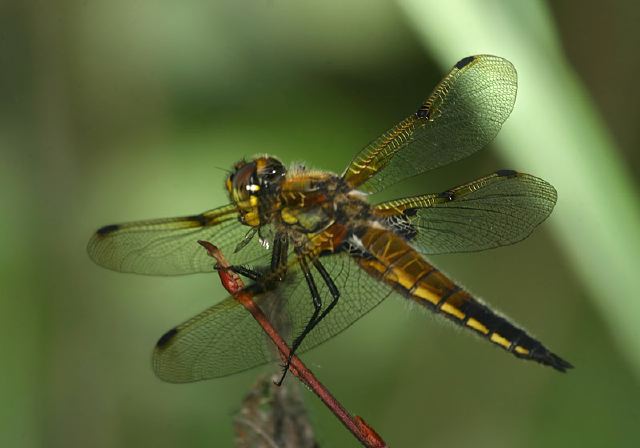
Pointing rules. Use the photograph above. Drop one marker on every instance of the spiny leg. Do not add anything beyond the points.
(333, 289)
(315, 318)
(317, 306)
(245, 271)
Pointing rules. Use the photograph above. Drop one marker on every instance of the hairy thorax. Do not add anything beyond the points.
(316, 209)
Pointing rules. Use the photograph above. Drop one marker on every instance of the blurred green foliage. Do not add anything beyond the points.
(114, 111)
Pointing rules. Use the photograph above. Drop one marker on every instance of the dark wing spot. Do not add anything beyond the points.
(464, 61)
(106, 230)
(166, 338)
(423, 112)
(410, 212)
(448, 195)
(200, 219)
(507, 173)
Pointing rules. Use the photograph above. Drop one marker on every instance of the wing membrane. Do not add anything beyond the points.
(169, 246)
(495, 210)
(225, 339)
(463, 113)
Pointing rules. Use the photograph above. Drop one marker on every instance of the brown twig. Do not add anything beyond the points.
(234, 285)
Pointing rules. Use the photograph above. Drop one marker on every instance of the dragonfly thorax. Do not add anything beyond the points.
(253, 185)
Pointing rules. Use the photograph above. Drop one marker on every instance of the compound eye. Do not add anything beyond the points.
(241, 182)
(274, 170)
(268, 176)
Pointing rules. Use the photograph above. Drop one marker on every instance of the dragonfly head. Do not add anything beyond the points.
(254, 185)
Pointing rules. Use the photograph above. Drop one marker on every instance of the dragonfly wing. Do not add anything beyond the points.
(222, 340)
(463, 113)
(170, 246)
(225, 339)
(495, 210)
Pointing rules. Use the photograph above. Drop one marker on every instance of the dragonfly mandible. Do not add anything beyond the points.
(320, 254)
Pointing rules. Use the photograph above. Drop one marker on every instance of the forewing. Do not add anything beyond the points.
(496, 210)
(463, 113)
(225, 339)
(170, 246)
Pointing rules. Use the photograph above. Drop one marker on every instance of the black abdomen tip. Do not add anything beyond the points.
(166, 338)
(102, 231)
(464, 61)
(507, 173)
(552, 360)
(558, 363)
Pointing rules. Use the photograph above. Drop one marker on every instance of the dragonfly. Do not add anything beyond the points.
(320, 253)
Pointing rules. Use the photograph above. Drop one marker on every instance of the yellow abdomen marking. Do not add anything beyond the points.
(450, 309)
(423, 293)
(401, 277)
(476, 325)
(521, 350)
(395, 262)
(497, 339)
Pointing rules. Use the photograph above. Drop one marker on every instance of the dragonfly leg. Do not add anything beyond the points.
(333, 289)
(278, 263)
(317, 307)
(316, 318)
(245, 271)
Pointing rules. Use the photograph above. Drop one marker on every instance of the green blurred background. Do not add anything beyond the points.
(119, 110)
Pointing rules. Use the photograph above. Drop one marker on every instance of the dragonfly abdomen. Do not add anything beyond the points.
(393, 260)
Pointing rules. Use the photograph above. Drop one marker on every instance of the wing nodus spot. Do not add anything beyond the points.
(506, 173)
(423, 112)
(106, 230)
(200, 219)
(411, 212)
(464, 62)
(448, 195)
(166, 338)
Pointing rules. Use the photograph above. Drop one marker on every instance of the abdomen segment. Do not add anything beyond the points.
(391, 259)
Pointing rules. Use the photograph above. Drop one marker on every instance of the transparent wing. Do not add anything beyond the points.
(170, 246)
(496, 210)
(225, 339)
(463, 113)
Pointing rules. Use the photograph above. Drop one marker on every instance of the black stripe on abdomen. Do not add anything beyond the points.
(392, 260)
(441, 295)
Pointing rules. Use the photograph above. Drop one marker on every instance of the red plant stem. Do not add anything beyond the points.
(234, 285)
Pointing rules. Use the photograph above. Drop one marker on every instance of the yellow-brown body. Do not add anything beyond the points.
(349, 254)
(321, 215)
